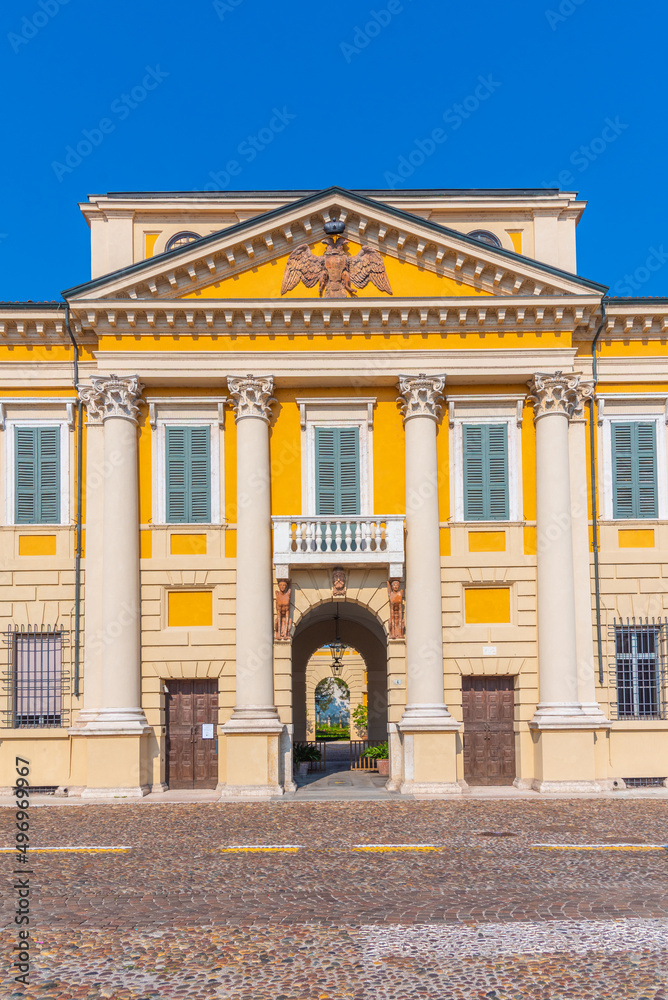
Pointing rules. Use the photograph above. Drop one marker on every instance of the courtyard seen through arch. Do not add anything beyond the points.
(339, 705)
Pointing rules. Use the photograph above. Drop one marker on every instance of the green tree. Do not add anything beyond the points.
(326, 692)
(360, 718)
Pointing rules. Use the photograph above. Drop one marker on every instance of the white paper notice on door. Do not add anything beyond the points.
(207, 730)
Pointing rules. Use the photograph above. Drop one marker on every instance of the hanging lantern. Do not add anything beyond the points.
(337, 649)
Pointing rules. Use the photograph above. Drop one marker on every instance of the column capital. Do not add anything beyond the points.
(421, 395)
(559, 393)
(252, 396)
(92, 400)
(111, 396)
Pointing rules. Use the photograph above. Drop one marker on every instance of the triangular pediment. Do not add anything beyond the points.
(264, 280)
(423, 260)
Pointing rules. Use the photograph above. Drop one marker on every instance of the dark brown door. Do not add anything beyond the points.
(489, 739)
(192, 740)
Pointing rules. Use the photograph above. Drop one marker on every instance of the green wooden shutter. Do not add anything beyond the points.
(635, 493)
(497, 465)
(25, 475)
(37, 475)
(188, 475)
(646, 477)
(337, 471)
(325, 471)
(200, 474)
(349, 471)
(176, 464)
(474, 476)
(485, 448)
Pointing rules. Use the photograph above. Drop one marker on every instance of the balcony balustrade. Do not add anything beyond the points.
(339, 541)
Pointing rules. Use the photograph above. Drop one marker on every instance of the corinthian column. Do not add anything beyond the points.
(94, 576)
(118, 400)
(577, 436)
(562, 763)
(252, 769)
(426, 712)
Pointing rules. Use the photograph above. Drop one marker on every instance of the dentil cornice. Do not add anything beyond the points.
(302, 317)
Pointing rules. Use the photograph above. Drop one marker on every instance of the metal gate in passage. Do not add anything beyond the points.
(358, 762)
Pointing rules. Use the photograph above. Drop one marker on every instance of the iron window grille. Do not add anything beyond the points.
(639, 670)
(36, 680)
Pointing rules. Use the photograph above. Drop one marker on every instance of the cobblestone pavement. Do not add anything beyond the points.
(483, 913)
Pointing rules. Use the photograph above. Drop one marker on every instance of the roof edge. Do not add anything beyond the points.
(33, 305)
(143, 265)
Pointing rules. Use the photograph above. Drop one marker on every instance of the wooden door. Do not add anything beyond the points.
(489, 738)
(192, 757)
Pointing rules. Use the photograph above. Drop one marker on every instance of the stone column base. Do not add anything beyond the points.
(565, 760)
(117, 764)
(429, 758)
(568, 715)
(395, 748)
(285, 758)
(570, 787)
(122, 792)
(251, 760)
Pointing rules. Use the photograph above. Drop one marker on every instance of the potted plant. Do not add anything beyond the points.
(381, 755)
(304, 755)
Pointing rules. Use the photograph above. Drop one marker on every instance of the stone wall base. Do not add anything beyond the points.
(114, 765)
(122, 792)
(565, 760)
(429, 762)
(249, 791)
(252, 764)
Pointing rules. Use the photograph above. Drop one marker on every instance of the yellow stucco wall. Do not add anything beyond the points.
(489, 590)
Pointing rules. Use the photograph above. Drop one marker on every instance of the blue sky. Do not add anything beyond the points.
(576, 89)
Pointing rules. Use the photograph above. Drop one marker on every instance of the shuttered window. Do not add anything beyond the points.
(337, 470)
(485, 472)
(37, 475)
(188, 473)
(634, 479)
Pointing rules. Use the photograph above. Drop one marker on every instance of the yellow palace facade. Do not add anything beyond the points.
(276, 419)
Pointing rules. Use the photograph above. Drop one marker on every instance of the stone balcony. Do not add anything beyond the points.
(339, 541)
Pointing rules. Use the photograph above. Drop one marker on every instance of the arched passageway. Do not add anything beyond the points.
(359, 629)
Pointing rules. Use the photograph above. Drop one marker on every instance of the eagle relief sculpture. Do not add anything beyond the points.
(336, 271)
